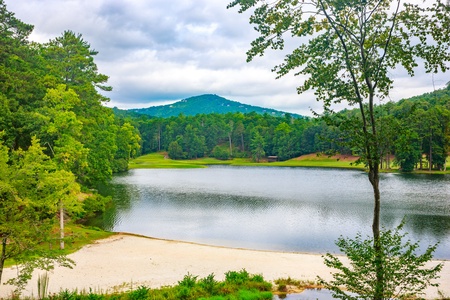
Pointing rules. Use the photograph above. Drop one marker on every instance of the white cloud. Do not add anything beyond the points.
(156, 51)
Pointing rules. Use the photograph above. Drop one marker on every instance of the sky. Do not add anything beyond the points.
(157, 52)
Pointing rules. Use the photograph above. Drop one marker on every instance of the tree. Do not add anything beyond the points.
(175, 151)
(30, 190)
(128, 146)
(257, 146)
(405, 272)
(347, 49)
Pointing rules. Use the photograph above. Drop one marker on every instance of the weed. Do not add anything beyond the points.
(138, 294)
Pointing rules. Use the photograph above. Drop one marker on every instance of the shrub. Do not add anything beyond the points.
(138, 294)
(220, 153)
(404, 274)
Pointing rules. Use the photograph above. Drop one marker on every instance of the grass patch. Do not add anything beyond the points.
(76, 237)
(161, 161)
(237, 285)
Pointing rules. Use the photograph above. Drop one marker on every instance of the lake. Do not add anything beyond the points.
(273, 208)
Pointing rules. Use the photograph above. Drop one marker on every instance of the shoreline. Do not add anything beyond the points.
(126, 261)
(156, 160)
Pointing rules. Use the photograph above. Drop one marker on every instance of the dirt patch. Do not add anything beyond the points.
(322, 156)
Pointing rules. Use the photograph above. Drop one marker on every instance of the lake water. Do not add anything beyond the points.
(271, 208)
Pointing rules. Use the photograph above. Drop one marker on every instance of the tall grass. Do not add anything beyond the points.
(42, 285)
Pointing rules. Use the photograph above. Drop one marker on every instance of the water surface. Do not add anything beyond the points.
(271, 208)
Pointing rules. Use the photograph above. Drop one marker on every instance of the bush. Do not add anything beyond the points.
(220, 153)
(404, 274)
(175, 151)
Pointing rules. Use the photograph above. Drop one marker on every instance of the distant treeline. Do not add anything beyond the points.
(414, 131)
(234, 135)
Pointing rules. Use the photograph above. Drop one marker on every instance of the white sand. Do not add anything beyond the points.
(125, 262)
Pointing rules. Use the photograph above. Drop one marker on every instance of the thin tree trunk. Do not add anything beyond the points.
(389, 160)
(375, 180)
(3, 257)
(61, 225)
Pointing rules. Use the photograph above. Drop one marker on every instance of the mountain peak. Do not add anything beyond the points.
(206, 104)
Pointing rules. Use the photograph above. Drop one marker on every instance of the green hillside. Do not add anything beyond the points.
(206, 104)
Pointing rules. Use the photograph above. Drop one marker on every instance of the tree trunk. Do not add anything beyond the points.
(231, 148)
(389, 160)
(3, 257)
(61, 225)
(375, 180)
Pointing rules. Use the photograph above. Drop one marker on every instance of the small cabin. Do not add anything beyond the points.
(272, 158)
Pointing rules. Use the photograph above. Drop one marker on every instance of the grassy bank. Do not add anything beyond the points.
(76, 237)
(160, 160)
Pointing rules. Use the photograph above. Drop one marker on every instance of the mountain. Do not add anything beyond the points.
(206, 104)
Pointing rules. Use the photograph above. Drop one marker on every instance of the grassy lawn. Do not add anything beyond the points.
(159, 160)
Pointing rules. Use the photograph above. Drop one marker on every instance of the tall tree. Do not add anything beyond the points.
(30, 190)
(347, 49)
(70, 61)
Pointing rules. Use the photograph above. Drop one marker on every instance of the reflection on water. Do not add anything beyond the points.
(290, 209)
(309, 294)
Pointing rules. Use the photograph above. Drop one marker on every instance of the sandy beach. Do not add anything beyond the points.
(123, 262)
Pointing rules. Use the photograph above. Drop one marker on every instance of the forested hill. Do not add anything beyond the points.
(206, 104)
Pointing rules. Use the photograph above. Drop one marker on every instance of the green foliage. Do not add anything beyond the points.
(405, 274)
(175, 151)
(257, 146)
(94, 204)
(345, 52)
(240, 285)
(31, 189)
(220, 152)
(141, 293)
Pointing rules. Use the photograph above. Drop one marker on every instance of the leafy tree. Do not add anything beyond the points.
(30, 190)
(407, 150)
(70, 61)
(175, 151)
(221, 152)
(346, 51)
(405, 274)
(128, 146)
(257, 146)
(58, 127)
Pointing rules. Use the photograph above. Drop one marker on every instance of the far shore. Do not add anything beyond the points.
(314, 160)
(124, 262)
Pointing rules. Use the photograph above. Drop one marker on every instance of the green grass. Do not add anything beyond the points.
(158, 160)
(237, 285)
(76, 236)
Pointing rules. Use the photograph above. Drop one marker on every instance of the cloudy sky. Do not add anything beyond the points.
(158, 51)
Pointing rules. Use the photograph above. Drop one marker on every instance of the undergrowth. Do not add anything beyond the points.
(237, 285)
